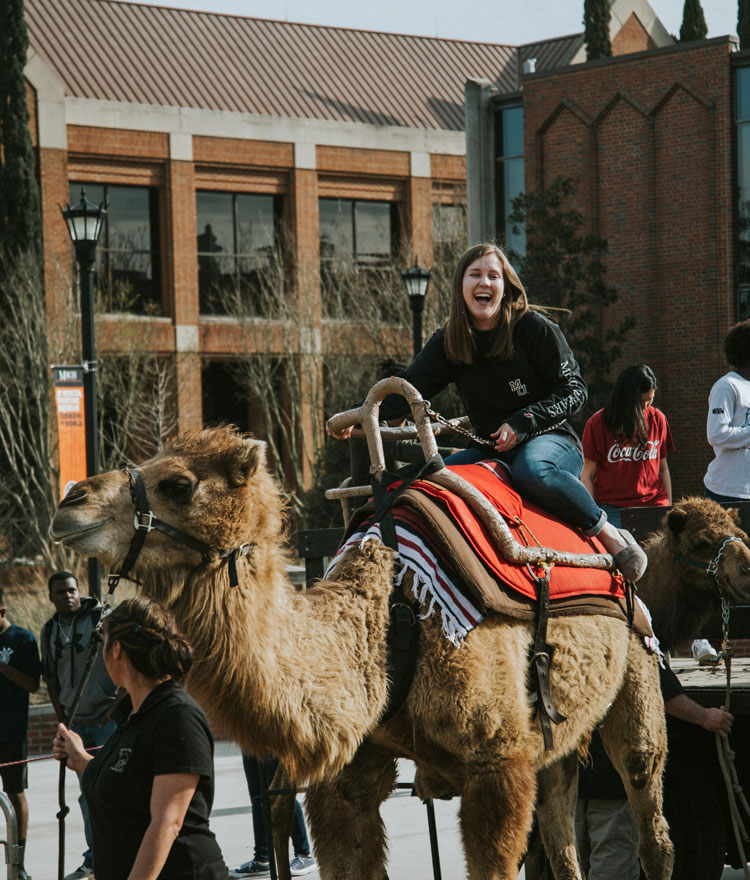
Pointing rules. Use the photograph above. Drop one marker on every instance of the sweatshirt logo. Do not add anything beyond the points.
(517, 386)
(647, 452)
(5, 655)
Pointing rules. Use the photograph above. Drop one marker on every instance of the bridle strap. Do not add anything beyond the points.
(145, 521)
(712, 567)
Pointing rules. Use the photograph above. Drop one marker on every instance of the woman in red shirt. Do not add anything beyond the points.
(625, 447)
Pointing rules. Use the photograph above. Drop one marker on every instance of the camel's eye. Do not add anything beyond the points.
(176, 488)
(702, 546)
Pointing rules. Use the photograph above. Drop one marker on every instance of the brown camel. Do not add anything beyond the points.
(303, 675)
(681, 597)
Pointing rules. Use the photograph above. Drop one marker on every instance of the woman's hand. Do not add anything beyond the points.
(505, 437)
(68, 745)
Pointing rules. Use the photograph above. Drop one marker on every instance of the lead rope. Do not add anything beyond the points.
(726, 754)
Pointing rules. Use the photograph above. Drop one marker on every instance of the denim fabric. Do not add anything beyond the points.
(93, 735)
(299, 834)
(545, 470)
(725, 499)
(614, 514)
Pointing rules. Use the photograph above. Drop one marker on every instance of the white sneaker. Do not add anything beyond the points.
(704, 653)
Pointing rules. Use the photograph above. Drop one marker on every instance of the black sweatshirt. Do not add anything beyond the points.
(534, 392)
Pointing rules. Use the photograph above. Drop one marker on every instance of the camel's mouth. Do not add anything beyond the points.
(65, 537)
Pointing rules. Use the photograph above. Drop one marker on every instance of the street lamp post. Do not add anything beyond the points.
(416, 281)
(84, 222)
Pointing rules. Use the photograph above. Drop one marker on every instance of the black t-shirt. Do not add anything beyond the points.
(18, 648)
(168, 734)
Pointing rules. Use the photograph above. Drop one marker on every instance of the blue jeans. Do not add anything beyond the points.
(299, 834)
(614, 514)
(92, 735)
(725, 499)
(545, 470)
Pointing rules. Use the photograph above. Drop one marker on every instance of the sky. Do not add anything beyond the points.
(496, 21)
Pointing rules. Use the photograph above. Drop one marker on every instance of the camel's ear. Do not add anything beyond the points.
(676, 519)
(245, 461)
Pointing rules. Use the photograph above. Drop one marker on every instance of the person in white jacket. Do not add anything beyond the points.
(728, 431)
(728, 427)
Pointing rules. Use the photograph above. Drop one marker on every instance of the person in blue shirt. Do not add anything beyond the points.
(19, 677)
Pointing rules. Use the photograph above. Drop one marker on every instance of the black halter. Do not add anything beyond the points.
(145, 521)
(711, 568)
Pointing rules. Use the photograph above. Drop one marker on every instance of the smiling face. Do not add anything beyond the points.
(483, 289)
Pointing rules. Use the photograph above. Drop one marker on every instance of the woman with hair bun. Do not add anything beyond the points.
(150, 788)
(625, 446)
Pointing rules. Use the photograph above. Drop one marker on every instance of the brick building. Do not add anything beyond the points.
(210, 136)
(657, 143)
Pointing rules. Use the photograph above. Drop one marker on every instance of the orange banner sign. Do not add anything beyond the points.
(71, 431)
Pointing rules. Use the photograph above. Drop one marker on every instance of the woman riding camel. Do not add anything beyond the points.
(519, 382)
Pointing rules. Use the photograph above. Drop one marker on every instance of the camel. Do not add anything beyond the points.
(303, 674)
(681, 597)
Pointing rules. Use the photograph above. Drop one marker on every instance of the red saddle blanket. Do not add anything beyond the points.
(456, 568)
(530, 526)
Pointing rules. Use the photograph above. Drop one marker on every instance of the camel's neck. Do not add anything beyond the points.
(299, 675)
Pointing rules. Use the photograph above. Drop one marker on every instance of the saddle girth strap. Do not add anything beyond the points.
(541, 660)
(402, 642)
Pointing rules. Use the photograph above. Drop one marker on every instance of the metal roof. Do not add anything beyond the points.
(155, 55)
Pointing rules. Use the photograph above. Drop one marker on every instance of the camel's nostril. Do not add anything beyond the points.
(74, 497)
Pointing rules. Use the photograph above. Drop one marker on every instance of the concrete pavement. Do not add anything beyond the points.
(404, 816)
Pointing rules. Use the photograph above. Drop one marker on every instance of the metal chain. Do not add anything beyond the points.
(454, 427)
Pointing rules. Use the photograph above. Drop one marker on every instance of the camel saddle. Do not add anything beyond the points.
(435, 525)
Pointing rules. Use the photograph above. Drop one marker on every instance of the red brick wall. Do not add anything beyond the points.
(650, 139)
(632, 37)
(42, 728)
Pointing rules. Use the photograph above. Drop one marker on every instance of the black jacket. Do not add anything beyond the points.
(534, 392)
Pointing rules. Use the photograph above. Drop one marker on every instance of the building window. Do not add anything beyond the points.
(240, 267)
(358, 240)
(509, 174)
(742, 114)
(128, 265)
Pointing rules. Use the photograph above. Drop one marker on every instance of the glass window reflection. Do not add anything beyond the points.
(239, 259)
(127, 271)
(357, 241)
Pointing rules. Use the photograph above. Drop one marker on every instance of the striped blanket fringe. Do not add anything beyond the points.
(432, 588)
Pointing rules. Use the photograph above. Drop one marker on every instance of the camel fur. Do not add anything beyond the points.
(303, 674)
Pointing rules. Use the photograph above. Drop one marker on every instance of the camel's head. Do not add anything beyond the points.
(697, 529)
(212, 485)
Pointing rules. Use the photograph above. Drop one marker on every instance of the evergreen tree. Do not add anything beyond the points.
(596, 14)
(20, 215)
(693, 22)
(563, 270)
(743, 23)
(25, 468)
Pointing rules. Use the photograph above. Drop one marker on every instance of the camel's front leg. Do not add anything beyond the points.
(555, 809)
(282, 817)
(344, 816)
(497, 804)
(635, 738)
